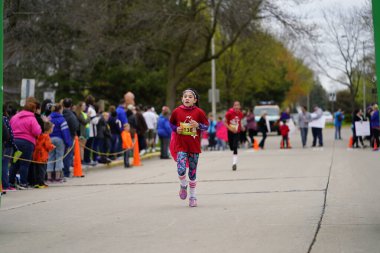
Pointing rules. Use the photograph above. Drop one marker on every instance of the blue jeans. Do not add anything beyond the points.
(67, 162)
(27, 148)
(56, 155)
(5, 171)
(116, 143)
(337, 132)
(304, 131)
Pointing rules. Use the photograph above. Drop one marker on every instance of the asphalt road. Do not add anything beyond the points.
(297, 200)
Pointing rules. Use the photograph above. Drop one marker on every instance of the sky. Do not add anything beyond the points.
(312, 11)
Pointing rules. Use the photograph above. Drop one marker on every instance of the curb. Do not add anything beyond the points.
(119, 162)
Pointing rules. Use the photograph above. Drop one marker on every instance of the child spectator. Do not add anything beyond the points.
(126, 144)
(104, 137)
(221, 134)
(284, 129)
(41, 155)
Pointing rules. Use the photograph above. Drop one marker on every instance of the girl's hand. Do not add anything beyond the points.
(193, 123)
(179, 130)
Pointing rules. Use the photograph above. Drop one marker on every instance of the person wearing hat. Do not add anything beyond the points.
(73, 124)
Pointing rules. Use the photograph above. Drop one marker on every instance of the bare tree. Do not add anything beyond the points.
(343, 49)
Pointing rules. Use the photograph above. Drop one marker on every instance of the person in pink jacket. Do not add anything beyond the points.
(25, 130)
(221, 134)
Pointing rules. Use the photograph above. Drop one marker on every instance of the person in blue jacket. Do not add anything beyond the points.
(61, 139)
(338, 120)
(164, 132)
(375, 126)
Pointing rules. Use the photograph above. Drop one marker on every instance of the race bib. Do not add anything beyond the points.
(187, 129)
(234, 126)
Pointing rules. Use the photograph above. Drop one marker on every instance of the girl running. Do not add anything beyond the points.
(187, 121)
(233, 123)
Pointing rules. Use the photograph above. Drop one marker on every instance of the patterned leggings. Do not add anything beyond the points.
(182, 158)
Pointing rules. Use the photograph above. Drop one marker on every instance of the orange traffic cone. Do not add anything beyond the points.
(77, 159)
(351, 142)
(136, 153)
(255, 144)
(375, 145)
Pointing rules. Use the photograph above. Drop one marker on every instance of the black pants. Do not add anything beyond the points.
(233, 141)
(251, 134)
(262, 142)
(164, 144)
(285, 141)
(376, 133)
(356, 140)
(38, 173)
(212, 140)
(317, 134)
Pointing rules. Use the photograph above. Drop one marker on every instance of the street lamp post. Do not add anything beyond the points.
(364, 82)
(213, 71)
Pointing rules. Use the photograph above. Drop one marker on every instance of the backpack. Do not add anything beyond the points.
(340, 117)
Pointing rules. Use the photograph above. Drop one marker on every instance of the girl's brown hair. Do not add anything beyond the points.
(47, 126)
(30, 104)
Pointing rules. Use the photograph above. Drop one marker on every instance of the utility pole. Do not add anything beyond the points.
(213, 73)
(364, 82)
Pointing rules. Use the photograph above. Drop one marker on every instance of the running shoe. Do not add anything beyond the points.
(193, 202)
(234, 167)
(183, 192)
(10, 189)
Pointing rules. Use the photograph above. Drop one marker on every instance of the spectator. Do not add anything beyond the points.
(251, 125)
(284, 130)
(151, 121)
(141, 129)
(211, 132)
(41, 155)
(164, 132)
(127, 144)
(115, 127)
(263, 128)
(84, 125)
(338, 120)
(91, 144)
(61, 139)
(303, 123)
(9, 147)
(357, 117)
(221, 134)
(26, 130)
(375, 126)
(73, 124)
(317, 131)
(104, 137)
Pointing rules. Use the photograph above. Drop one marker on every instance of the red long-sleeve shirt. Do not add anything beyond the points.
(183, 114)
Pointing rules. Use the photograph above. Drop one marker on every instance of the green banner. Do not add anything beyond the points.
(376, 28)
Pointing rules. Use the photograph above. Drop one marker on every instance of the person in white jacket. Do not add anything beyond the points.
(151, 121)
(91, 143)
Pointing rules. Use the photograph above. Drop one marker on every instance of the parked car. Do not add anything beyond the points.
(273, 115)
(328, 117)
